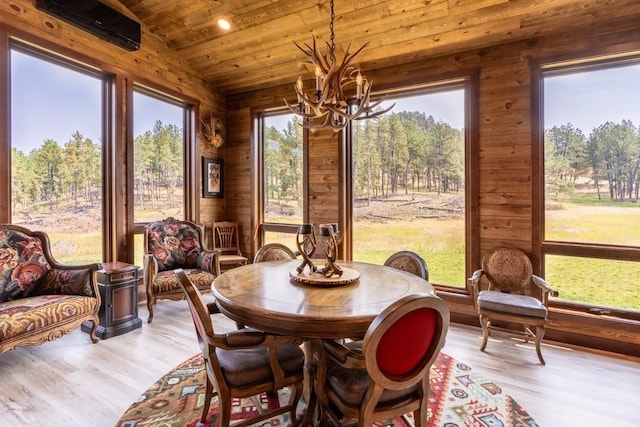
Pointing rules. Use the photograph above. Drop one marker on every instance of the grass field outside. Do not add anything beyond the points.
(439, 239)
(385, 227)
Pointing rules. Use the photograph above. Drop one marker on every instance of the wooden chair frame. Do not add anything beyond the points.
(227, 241)
(413, 386)
(522, 291)
(252, 345)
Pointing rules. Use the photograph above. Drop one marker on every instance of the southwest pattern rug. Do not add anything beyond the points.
(460, 397)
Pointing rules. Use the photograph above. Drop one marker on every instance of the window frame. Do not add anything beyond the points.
(469, 82)
(191, 168)
(258, 178)
(541, 246)
(118, 228)
(87, 67)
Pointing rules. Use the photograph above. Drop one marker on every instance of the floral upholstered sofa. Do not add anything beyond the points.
(40, 299)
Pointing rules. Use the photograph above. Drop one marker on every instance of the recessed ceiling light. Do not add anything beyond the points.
(224, 24)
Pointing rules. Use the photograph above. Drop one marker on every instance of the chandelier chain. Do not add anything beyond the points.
(333, 36)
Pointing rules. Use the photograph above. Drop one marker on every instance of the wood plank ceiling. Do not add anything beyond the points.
(258, 50)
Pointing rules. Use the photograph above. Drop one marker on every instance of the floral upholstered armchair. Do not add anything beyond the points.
(170, 244)
(41, 299)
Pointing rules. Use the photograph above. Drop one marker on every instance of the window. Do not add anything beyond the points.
(158, 147)
(282, 177)
(591, 179)
(409, 183)
(64, 146)
(56, 152)
(159, 151)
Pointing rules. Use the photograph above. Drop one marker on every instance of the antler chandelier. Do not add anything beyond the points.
(328, 105)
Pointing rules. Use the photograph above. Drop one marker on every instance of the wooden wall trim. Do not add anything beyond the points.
(5, 129)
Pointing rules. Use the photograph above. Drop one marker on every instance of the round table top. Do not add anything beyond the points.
(263, 296)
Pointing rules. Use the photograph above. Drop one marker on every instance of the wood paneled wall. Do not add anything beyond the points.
(324, 186)
(505, 149)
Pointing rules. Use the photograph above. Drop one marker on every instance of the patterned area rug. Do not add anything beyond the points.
(460, 397)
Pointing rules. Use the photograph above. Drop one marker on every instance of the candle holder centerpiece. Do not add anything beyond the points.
(307, 244)
(328, 232)
(329, 239)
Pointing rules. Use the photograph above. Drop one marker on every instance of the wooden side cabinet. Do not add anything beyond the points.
(118, 285)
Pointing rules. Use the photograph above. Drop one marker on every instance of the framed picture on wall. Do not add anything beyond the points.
(212, 177)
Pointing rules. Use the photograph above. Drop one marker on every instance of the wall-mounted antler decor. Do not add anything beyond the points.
(214, 131)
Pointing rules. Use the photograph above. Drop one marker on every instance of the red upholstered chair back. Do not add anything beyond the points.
(404, 340)
(406, 343)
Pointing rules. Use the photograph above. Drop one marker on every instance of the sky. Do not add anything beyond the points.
(588, 100)
(53, 102)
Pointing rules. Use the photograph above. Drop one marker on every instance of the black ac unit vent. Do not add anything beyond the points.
(96, 18)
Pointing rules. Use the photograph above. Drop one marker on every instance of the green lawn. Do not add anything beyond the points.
(439, 241)
(591, 281)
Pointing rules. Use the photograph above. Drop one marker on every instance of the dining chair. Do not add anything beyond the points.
(410, 262)
(244, 363)
(171, 244)
(226, 240)
(274, 252)
(509, 296)
(387, 373)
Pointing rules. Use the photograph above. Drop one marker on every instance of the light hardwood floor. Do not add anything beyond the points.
(71, 382)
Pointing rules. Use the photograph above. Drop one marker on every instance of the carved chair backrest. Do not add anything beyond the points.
(273, 252)
(508, 270)
(410, 262)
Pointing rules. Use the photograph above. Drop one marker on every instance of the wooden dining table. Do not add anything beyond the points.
(274, 297)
